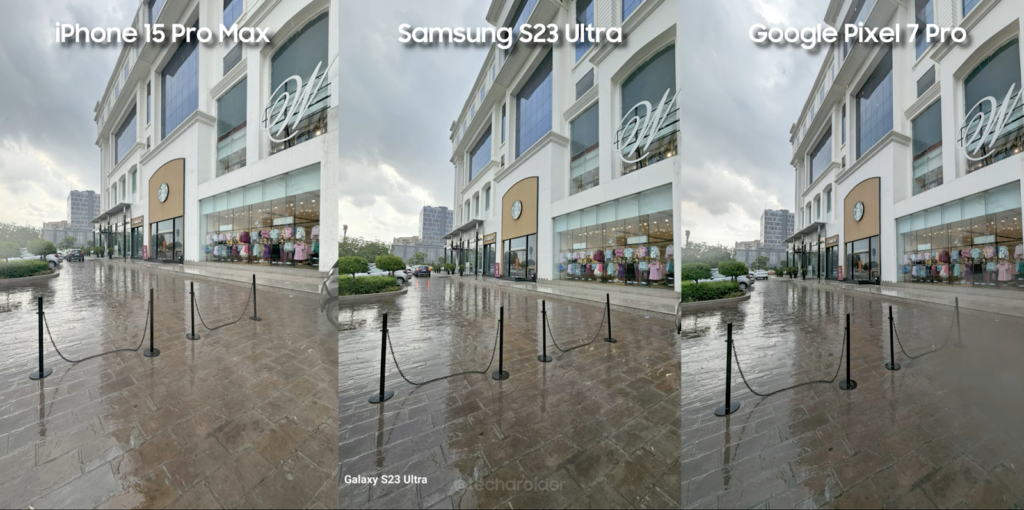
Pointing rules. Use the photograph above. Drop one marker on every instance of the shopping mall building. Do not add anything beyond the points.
(221, 154)
(565, 155)
(908, 156)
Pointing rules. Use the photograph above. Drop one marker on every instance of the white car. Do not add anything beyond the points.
(744, 281)
(53, 259)
(760, 274)
(400, 275)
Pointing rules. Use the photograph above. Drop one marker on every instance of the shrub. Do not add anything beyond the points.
(695, 271)
(40, 247)
(389, 263)
(23, 268)
(732, 268)
(352, 265)
(691, 292)
(367, 285)
(9, 250)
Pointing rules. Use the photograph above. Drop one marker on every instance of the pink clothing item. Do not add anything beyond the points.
(966, 252)
(301, 252)
(618, 252)
(990, 251)
(655, 269)
(1004, 271)
(288, 232)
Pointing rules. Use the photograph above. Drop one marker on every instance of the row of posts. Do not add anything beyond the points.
(152, 351)
(501, 374)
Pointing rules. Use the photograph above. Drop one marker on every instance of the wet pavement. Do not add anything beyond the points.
(943, 431)
(244, 417)
(596, 427)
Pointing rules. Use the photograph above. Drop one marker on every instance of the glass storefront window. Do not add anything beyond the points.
(299, 56)
(180, 86)
(974, 241)
(126, 136)
(275, 222)
(627, 242)
(874, 106)
(583, 151)
(994, 78)
(231, 129)
(166, 243)
(533, 107)
(927, 147)
(650, 82)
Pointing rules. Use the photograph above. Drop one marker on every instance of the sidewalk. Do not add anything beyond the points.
(292, 279)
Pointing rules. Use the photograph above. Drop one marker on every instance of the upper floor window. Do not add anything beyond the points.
(817, 208)
(828, 201)
(628, 6)
(180, 86)
(858, 12)
(487, 199)
(927, 149)
(533, 107)
(126, 137)
(299, 56)
(126, 71)
(986, 91)
(232, 10)
(522, 14)
(480, 155)
(502, 123)
(149, 99)
(924, 13)
(584, 84)
(232, 57)
(968, 6)
(135, 184)
(652, 81)
(821, 157)
(843, 124)
(874, 106)
(231, 128)
(154, 9)
(583, 153)
(584, 16)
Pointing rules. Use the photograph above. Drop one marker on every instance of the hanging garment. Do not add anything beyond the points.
(906, 258)
(957, 270)
(561, 268)
(966, 252)
(1004, 252)
(590, 270)
(288, 232)
(668, 250)
(629, 253)
(643, 265)
(944, 272)
(300, 233)
(316, 247)
(315, 233)
(265, 234)
(975, 253)
(1004, 271)
(598, 270)
(990, 251)
(267, 250)
(944, 256)
(244, 237)
(956, 256)
(275, 234)
(598, 256)
(621, 273)
(630, 271)
(641, 252)
(655, 271)
(655, 252)
(301, 252)
(1020, 267)
(1018, 252)
(609, 269)
(619, 252)
(906, 269)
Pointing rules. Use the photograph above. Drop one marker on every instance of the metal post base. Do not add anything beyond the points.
(892, 366)
(191, 336)
(722, 411)
(35, 376)
(543, 358)
(499, 375)
(610, 340)
(255, 318)
(847, 384)
(376, 398)
(151, 353)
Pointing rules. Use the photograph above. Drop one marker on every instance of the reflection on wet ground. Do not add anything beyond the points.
(597, 427)
(244, 417)
(943, 431)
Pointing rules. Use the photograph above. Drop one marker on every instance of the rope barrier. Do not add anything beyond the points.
(196, 305)
(128, 349)
(943, 346)
(819, 381)
(592, 340)
(414, 383)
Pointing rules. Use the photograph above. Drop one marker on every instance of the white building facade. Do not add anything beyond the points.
(217, 153)
(562, 171)
(908, 157)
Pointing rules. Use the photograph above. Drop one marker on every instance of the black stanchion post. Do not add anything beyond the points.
(956, 306)
(730, 406)
(848, 383)
(543, 358)
(43, 371)
(892, 365)
(608, 311)
(192, 309)
(152, 352)
(501, 374)
(255, 316)
(383, 394)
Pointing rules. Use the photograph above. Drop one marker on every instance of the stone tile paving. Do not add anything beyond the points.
(245, 417)
(941, 432)
(597, 427)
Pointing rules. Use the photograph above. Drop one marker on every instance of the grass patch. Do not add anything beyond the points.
(24, 269)
(362, 285)
(709, 291)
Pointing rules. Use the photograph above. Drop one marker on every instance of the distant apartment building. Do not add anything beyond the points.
(83, 206)
(747, 245)
(405, 241)
(434, 223)
(776, 226)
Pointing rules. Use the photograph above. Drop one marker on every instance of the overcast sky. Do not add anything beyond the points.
(47, 94)
(398, 103)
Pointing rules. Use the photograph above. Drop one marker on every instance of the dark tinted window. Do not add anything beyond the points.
(585, 83)
(926, 81)
(533, 107)
(874, 106)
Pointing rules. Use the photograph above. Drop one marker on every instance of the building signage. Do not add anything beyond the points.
(983, 128)
(642, 126)
(287, 220)
(489, 238)
(137, 221)
(984, 239)
(579, 246)
(921, 247)
(291, 106)
(636, 240)
(832, 241)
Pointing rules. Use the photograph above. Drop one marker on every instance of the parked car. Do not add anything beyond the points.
(53, 259)
(745, 281)
(73, 255)
(421, 271)
(400, 275)
(760, 274)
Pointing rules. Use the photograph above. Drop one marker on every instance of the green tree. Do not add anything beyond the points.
(19, 234)
(389, 263)
(732, 268)
(9, 250)
(440, 261)
(703, 252)
(695, 271)
(359, 247)
(761, 262)
(88, 244)
(41, 248)
(67, 243)
(418, 258)
(352, 265)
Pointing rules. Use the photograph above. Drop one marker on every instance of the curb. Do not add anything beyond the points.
(15, 282)
(370, 298)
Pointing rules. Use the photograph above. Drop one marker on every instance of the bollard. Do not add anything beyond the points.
(255, 316)
(192, 308)
(43, 371)
(608, 311)
(383, 394)
(892, 365)
(543, 358)
(501, 374)
(152, 352)
(847, 384)
(730, 406)
(956, 305)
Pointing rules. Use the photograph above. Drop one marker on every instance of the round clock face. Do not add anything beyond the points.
(161, 193)
(858, 211)
(517, 209)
